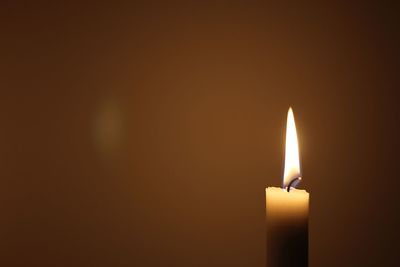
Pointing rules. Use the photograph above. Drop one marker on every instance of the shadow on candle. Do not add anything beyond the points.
(287, 246)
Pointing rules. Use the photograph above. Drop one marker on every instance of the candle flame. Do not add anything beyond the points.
(292, 161)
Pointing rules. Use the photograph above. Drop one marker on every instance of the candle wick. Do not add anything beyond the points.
(292, 182)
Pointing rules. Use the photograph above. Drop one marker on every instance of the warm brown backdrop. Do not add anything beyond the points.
(144, 134)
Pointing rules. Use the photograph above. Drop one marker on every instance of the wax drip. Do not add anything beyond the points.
(292, 182)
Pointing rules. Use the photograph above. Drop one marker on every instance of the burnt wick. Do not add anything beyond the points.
(292, 182)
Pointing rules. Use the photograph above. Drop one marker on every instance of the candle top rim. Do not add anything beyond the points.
(284, 190)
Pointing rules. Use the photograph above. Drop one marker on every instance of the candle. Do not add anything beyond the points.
(287, 210)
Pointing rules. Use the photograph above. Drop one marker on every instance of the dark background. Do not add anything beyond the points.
(144, 134)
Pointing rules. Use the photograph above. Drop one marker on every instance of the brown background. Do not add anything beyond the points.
(144, 134)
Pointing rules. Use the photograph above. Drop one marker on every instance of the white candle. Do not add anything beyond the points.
(287, 211)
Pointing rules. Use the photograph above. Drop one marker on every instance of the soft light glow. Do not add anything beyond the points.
(292, 162)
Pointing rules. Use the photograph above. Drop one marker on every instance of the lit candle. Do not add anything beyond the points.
(287, 210)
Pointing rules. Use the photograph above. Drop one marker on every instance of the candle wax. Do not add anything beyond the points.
(287, 227)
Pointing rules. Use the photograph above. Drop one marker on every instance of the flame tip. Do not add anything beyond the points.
(290, 112)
